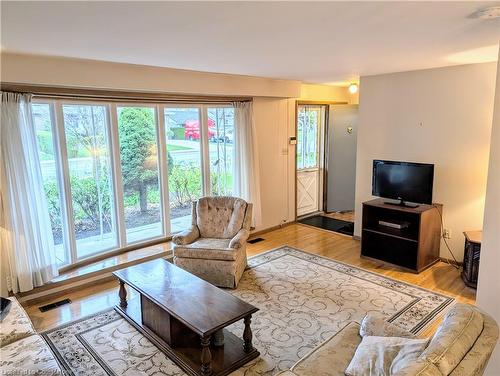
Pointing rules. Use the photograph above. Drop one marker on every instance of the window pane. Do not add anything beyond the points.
(184, 163)
(90, 176)
(139, 162)
(221, 137)
(44, 132)
(307, 137)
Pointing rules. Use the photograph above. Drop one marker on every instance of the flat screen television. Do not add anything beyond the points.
(403, 181)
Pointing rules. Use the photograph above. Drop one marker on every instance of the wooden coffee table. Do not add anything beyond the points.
(180, 313)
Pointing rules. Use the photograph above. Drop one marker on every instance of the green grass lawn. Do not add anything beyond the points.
(177, 148)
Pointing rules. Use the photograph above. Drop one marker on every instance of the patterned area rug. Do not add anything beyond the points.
(303, 299)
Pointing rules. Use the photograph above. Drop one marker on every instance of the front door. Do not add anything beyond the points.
(310, 125)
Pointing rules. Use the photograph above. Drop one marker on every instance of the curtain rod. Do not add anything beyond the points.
(53, 92)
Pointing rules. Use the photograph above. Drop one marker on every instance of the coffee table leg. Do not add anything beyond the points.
(247, 334)
(206, 357)
(123, 295)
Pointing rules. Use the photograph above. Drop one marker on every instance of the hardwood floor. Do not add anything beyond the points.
(441, 277)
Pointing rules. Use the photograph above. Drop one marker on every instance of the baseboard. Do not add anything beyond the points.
(450, 261)
(272, 228)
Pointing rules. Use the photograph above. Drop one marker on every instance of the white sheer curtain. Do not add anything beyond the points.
(246, 182)
(27, 250)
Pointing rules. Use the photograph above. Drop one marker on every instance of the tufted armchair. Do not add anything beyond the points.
(214, 248)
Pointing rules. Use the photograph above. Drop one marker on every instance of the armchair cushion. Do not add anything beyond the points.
(239, 240)
(187, 236)
(220, 217)
(208, 249)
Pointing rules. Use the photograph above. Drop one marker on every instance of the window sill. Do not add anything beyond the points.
(94, 271)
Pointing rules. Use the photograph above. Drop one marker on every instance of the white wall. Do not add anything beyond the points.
(327, 93)
(273, 119)
(441, 116)
(59, 71)
(488, 292)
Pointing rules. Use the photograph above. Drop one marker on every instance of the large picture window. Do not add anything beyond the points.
(122, 174)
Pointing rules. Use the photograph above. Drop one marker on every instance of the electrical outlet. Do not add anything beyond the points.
(447, 233)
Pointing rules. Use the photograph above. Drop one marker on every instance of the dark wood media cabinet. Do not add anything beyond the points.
(415, 247)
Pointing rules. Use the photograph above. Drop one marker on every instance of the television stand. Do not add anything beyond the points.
(402, 203)
(404, 236)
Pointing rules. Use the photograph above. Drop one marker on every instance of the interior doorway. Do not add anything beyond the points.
(326, 165)
(311, 120)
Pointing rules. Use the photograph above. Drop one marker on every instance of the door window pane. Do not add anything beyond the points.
(183, 133)
(308, 122)
(86, 133)
(139, 165)
(221, 146)
(44, 132)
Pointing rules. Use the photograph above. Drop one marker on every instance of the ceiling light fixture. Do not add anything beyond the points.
(489, 13)
(353, 88)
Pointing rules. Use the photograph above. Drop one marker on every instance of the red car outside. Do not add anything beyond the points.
(192, 130)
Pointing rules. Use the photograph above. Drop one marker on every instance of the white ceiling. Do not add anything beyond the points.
(320, 42)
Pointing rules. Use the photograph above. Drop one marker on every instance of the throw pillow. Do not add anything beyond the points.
(384, 356)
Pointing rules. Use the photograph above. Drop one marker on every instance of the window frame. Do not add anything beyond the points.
(59, 140)
(162, 183)
(208, 146)
(318, 109)
(73, 250)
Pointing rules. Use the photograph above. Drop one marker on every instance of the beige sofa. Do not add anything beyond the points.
(214, 248)
(461, 346)
(22, 350)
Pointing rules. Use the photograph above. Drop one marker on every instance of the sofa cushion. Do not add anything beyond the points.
(220, 217)
(206, 248)
(454, 337)
(28, 356)
(419, 367)
(384, 355)
(375, 324)
(475, 361)
(332, 357)
(16, 325)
